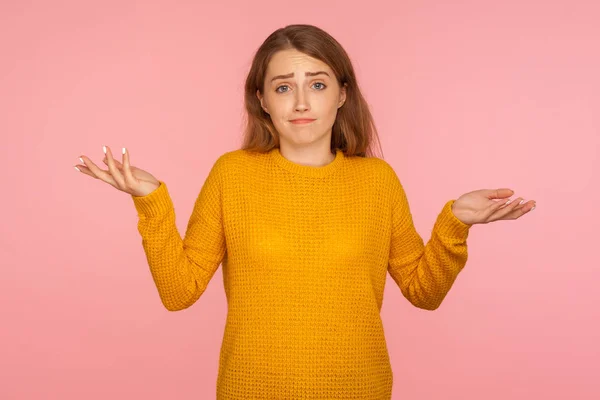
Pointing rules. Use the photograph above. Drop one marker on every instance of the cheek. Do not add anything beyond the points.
(280, 108)
(329, 105)
(330, 110)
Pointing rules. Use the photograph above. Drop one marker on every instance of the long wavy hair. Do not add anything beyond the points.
(353, 131)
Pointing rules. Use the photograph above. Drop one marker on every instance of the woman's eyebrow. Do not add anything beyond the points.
(306, 74)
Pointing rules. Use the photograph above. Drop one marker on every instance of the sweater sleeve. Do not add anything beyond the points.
(425, 273)
(182, 268)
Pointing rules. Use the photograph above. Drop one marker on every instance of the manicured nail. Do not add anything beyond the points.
(104, 148)
(508, 202)
(77, 169)
(532, 208)
(522, 201)
(123, 150)
(82, 160)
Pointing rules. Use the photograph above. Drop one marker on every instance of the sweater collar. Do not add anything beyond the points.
(306, 170)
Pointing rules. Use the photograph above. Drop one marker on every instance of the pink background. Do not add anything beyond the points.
(466, 95)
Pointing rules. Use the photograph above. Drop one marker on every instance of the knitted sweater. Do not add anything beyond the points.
(305, 254)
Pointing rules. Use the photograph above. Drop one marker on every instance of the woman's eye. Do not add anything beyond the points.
(286, 86)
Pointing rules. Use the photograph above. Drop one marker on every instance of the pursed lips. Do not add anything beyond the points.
(301, 121)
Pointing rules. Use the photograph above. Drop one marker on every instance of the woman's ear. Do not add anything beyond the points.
(342, 95)
(261, 99)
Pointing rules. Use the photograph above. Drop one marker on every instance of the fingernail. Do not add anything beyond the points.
(522, 201)
(532, 208)
(77, 169)
(508, 202)
(82, 160)
(104, 148)
(123, 150)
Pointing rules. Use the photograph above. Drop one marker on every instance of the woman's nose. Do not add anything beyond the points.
(301, 101)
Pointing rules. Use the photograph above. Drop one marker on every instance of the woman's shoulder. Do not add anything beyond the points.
(238, 162)
(376, 166)
(235, 157)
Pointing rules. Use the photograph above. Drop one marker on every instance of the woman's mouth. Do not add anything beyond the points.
(301, 121)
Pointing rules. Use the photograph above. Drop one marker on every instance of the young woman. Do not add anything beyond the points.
(307, 224)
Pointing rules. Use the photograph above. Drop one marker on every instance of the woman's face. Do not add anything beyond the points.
(299, 86)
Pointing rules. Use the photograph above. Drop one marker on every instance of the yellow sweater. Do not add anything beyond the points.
(305, 254)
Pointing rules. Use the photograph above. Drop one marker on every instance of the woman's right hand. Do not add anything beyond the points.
(122, 176)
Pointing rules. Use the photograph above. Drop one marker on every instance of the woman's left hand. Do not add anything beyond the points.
(485, 205)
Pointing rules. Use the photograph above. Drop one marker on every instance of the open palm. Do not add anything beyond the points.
(121, 176)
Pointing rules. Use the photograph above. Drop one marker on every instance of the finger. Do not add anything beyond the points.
(518, 203)
(508, 211)
(114, 171)
(501, 193)
(127, 168)
(497, 204)
(525, 207)
(509, 202)
(92, 170)
(117, 163)
(85, 170)
(519, 211)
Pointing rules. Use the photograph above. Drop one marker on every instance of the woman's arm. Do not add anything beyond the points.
(182, 268)
(425, 273)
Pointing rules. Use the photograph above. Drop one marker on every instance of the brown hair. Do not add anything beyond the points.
(353, 130)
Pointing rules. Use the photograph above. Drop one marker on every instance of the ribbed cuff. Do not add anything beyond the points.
(156, 203)
(448, 225)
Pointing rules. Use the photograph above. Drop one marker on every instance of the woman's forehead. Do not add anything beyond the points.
(289, 61)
